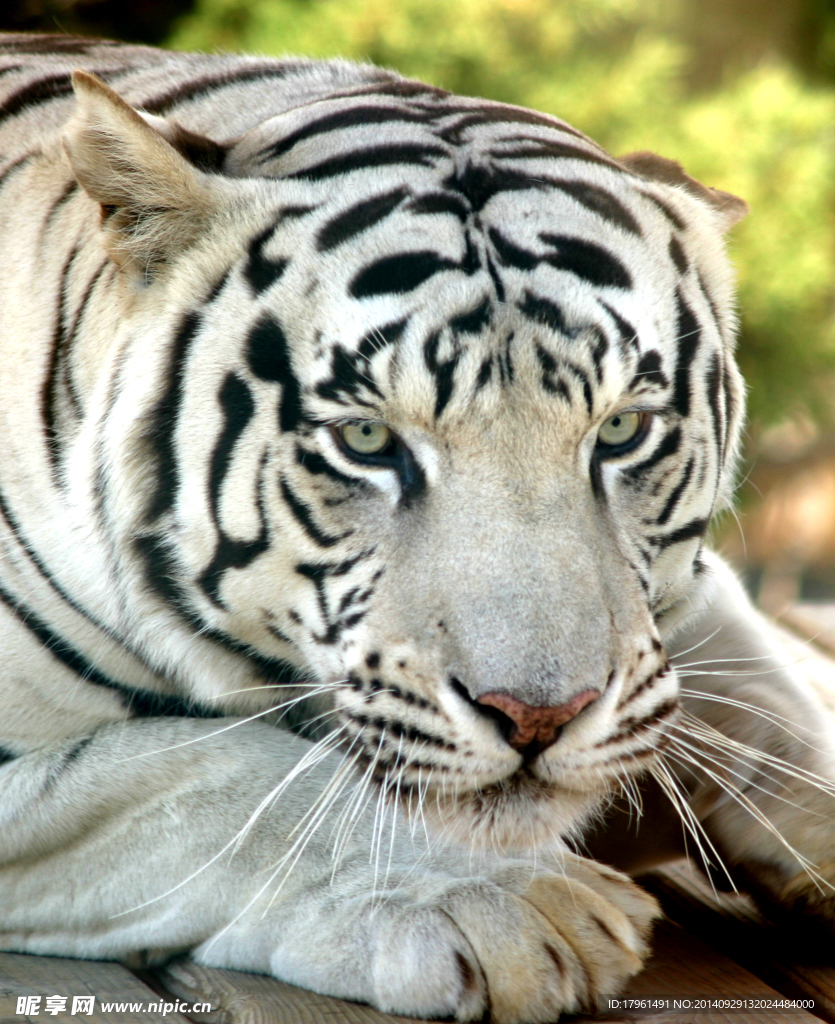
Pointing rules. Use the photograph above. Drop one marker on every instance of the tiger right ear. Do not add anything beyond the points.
(730, 208)
(154, 202)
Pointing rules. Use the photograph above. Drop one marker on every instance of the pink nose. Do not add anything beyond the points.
(534, 727)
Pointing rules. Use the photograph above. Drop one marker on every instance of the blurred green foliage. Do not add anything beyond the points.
(742, 92)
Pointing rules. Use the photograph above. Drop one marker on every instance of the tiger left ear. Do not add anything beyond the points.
(731, 209)
(154, 202)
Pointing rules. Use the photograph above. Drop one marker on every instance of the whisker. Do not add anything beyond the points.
(669, 783)
(233, 842)
(723, 742)
(216, 732)
(769, 716)
(682, 744)
(736, 794)
(695, 646)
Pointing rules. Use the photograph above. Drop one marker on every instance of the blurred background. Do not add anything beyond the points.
(742, 92)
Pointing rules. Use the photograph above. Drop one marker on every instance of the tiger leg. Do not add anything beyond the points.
(167, 836)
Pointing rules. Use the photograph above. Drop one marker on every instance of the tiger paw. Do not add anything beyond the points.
(525, 945)
(557, 941)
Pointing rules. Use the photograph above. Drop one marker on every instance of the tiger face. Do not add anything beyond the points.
(449, 454)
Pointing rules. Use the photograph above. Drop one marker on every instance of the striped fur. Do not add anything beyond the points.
(197, 303)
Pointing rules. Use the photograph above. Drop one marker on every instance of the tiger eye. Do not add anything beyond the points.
(620, 429)
(365, 437)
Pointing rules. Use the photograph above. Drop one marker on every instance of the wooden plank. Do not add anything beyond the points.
(22, 976)
(683, 965)
(786, 957)
(240, 998)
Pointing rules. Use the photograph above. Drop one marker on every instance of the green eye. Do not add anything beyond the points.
(365, 437)
(620, 429)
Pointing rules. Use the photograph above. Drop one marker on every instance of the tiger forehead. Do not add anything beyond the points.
(490, 367)
(301, 140)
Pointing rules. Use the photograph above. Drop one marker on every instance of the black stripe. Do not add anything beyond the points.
(58, 373)
(710, 302)
(231, 553)
(498, 113)
(588, 261)
(74, 752)
(443, 371)
(544, 311)
(668, 446)
(40, 566)
(688, 339)
(599, 350)
(581, 376)
(714, 394)
(162, 577)
(374, 156)
(351, 117)
(695, 528)
(49, 388)
(675, 495)
(304, 516)
(350, 375)
(395, 275)
(6, 755)
(629, 727)
(484, 374)
(67, 193)
(599, 201)
(551, 383)
(15, 165)
(318, 574)
(268, 354)
(628, 336)
(479, 184)
(136, 701)
(159, 435)
(730, 405)
(195, 88)
(35, 93)
(666, 209)
(677, 255)
(378, 337)
(359, 218)
(260, 271)
(439, 202)
(235, 400)
(511, 255)
(475, 320)
(498, 284)
(649, 371)
(317, 464)
(546, 150)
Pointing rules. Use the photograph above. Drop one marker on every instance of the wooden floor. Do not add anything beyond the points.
(710, 945)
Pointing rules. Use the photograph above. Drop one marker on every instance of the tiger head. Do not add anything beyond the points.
(427, 400)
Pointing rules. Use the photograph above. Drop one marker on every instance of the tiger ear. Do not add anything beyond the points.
(730, 208)
(155, 203)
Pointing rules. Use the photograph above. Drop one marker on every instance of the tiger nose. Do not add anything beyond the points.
(530, 730)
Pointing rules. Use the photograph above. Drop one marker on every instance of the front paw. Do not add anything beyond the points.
(523, 944)
(552, 943)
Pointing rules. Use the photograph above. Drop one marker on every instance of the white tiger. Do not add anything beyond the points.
(334, 402)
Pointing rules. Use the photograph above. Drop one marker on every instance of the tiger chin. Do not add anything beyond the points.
(360, 444)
